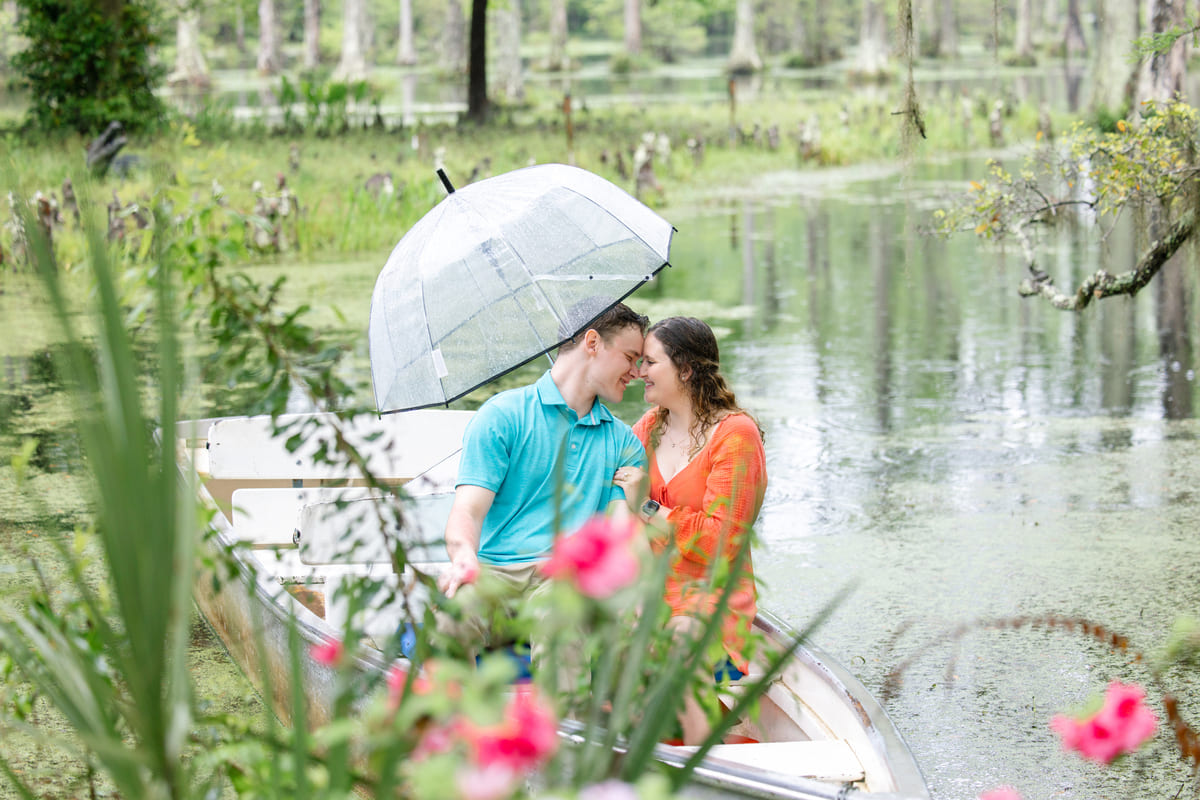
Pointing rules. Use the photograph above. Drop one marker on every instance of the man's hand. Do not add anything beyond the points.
(464, 569)
(471, 504)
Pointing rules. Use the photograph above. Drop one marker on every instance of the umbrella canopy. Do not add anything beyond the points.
(501, 272)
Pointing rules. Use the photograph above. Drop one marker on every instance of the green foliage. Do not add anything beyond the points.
(123, 687)
(89, 63)
(1103, 172)
(327, 105)
(1105, 119)
(1155, 44)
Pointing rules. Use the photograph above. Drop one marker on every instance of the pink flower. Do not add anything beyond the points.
(492, 782)
(397, 677)
(1121, 725)
(437, 740)
(598, 558)
(1001, 793)
(523, 740)
(328, 652)
(1135, 723)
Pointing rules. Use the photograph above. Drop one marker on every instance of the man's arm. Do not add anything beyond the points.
(463, 529)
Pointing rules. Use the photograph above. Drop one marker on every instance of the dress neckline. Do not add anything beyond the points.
(707, 443)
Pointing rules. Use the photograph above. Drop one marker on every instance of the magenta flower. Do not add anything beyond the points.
(1121, 725)
(328, 652)
(1001, 793)
(598, 558)
(523, 740)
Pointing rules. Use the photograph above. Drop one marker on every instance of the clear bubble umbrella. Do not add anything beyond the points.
(501, 272)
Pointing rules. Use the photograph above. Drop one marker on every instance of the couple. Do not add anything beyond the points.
(548, 457)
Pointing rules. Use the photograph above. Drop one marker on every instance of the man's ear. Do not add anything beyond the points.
(591, 341)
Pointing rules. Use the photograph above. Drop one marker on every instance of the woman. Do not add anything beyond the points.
(707, 476)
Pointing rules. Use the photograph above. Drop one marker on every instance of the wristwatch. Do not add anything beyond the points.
(649, 509)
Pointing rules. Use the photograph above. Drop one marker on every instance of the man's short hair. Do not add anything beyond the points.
(586, 315)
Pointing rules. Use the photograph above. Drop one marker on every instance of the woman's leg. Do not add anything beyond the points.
(692, 718)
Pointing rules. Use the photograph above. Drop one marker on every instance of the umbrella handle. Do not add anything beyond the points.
(441, 173)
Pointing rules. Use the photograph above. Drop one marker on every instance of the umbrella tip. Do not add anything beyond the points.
(441, 173)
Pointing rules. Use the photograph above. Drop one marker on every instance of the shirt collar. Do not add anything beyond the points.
(549, 395)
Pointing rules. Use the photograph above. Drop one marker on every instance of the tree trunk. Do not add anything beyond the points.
(798, 33)
(268, 38)
(454, 39)
(239, 28)
(312, 34)
(8, 9)
(477, 99)
(406, 51)
(1023, 42)
(1050, 16)
(873, 44)
(506, 24)
(1161, 76)
(820, 49)
(947, 30)
(353, 63)
(1074, 43)
(633, 27)
(557, 59)
(1112, 74)
(190, 67)
(743, 57)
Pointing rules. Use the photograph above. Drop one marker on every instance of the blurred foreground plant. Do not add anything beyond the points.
(118, 671)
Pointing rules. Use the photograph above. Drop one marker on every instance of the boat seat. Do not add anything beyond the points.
(397, 447)
(268, 517)
(825, 760)
(342, 528)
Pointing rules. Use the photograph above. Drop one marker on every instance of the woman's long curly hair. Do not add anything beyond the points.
(692, 348)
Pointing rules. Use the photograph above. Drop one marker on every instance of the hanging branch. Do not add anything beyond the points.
(1101, 284)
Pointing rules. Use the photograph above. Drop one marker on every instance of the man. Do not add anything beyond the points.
(538, 461)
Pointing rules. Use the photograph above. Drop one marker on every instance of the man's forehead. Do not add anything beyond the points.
(629, 340)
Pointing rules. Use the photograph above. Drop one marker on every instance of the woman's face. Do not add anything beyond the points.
(663, 384)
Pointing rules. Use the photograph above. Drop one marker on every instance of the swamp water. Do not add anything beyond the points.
(954, 451)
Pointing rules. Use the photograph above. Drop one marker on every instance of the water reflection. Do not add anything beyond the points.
(31, 386)
(961, 453)
(435, 95)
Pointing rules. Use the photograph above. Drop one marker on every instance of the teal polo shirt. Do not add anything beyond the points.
(544, 463)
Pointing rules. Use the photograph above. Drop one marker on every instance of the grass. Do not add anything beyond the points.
(339, 217)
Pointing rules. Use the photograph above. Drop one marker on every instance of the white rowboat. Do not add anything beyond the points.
(294, 522)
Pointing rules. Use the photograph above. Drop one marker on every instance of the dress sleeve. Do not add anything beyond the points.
(641, 428)
(733, 494)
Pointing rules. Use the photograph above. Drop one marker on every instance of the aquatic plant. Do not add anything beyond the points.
(1111, 727)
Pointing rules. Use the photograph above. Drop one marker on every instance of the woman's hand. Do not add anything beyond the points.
(636, 484)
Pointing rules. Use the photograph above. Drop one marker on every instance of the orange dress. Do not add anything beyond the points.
(714, 500)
